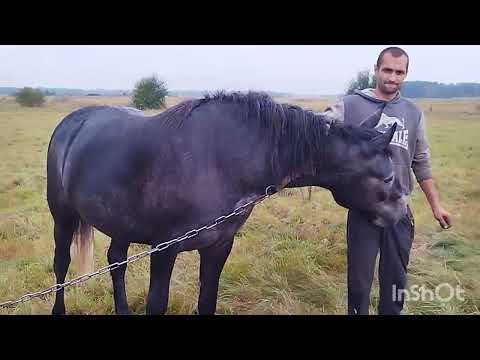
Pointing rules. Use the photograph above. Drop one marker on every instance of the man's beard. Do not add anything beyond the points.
(388, 90)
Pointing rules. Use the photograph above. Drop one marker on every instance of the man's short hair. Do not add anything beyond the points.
(395, 51)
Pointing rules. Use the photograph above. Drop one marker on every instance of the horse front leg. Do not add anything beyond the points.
(212, 260)
(161, 266)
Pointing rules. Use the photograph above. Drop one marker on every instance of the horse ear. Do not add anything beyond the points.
(382, 141)
(373, 120)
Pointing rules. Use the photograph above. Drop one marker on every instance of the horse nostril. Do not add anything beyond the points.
(389, 179)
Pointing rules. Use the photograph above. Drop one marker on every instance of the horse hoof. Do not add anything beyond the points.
(125, 312)
(58, 311)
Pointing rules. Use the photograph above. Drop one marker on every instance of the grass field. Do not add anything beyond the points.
(289, 258)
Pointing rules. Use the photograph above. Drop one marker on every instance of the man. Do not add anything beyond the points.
(409, 151)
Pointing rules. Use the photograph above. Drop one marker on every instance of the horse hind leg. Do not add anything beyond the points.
(64, 230)
(117, 253)
(69, 228)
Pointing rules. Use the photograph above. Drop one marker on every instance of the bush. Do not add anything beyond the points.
(30, 97)
(363, 80)
(149, 93)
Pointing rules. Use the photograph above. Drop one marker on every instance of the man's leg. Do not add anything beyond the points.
(394, 257)
(363, 242)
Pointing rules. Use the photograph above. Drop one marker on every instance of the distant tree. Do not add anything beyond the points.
(363, 80)
(47, 92)
(149, 93)
(30, 97)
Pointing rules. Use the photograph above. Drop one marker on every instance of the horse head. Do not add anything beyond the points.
(359, 171)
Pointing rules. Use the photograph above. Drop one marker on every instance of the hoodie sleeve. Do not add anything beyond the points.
(335, 112)
(421, 158)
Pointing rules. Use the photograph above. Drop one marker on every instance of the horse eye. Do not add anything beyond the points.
(389, 179)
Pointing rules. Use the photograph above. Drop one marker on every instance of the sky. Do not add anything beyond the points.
(309, 69)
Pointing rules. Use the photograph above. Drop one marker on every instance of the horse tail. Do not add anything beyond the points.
(81, 250)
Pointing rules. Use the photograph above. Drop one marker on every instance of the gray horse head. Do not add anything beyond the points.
(360, 174)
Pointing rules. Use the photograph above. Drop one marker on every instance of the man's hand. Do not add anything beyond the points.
(443, 217)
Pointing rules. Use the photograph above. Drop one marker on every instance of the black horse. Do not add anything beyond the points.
(148, 179)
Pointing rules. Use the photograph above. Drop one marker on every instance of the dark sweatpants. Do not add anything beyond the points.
(364, 240)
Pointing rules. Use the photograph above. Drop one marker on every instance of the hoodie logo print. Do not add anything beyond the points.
(400, 138)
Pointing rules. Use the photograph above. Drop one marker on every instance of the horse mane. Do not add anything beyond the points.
(353, 134)
(282, 125)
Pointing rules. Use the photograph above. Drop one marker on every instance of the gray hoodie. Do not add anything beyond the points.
(409, 144)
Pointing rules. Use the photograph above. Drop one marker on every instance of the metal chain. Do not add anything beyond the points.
(189, 234)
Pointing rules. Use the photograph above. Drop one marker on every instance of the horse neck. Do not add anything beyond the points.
(303, 156)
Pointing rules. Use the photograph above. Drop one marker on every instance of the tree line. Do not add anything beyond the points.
(418, 89)
(150, 92)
